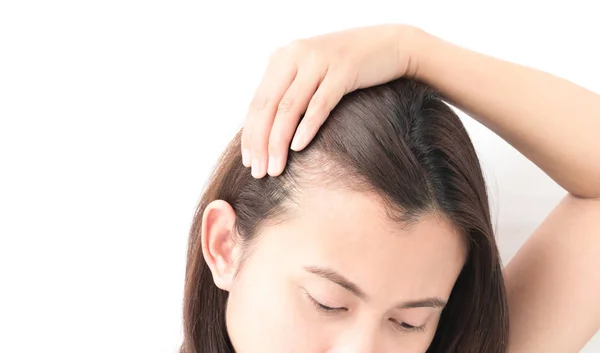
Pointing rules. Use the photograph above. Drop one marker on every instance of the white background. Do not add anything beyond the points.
(113, 113)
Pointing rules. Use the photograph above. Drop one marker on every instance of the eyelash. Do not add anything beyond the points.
(403, 326)
(324, 308)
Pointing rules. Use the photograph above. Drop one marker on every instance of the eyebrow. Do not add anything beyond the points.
(335, 277)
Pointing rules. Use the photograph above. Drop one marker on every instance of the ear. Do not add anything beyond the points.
(220, 244)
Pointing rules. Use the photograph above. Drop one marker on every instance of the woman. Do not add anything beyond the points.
(376, 237)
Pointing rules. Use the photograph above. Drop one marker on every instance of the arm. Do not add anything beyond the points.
(554, 123)
(553, 283)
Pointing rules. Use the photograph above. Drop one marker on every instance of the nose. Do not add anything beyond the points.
(353, 349)
(350, 349)
(358, 343)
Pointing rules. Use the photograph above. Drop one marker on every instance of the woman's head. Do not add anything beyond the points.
(376, 238)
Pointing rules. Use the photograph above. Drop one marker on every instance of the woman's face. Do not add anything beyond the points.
(339, 276)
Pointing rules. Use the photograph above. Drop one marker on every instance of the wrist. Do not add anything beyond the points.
(417, 45)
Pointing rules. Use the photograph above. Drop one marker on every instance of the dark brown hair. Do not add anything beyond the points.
(401, 142)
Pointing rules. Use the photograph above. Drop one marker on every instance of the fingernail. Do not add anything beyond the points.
(257, 168)
(298, 141)
(246, 157)
(274, 165)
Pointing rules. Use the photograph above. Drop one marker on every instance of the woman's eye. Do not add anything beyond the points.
(328, 308)
(406, 327)
(324, 308)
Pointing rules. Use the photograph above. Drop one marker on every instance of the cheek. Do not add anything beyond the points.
(265, 312)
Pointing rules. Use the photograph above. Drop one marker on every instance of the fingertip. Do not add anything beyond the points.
(246, 157)
(276, 166)
(299, 141)
(258, 168)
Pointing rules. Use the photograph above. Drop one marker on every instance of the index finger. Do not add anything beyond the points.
(278, 77)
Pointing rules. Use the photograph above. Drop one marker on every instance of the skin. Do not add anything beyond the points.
(552, 282)
(388, 285)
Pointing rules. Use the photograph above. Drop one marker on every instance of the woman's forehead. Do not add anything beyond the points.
(350, 232)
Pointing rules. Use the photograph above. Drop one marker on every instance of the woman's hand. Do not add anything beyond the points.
(310, 76)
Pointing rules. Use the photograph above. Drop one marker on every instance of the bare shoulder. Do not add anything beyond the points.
(553, 282)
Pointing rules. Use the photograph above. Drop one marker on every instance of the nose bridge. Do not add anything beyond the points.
(359, 338)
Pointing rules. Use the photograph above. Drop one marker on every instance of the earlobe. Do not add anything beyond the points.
(220, 243)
